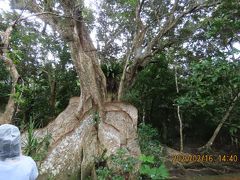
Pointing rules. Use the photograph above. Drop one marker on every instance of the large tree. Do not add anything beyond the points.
(146, 28)
(96, 126)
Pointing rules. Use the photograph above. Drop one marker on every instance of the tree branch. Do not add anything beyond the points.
(170, 24)
(52, 18)
(8, 114)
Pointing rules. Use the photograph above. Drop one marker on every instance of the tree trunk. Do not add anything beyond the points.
(180, 128)
(92, 79)
(8, 114)
(178, 113)
(122, 85)
(128, 77)
(75, 144)
(225, 117)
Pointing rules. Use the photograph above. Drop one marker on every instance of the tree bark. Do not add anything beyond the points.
(92, 79)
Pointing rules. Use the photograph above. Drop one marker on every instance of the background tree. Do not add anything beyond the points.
(146, 28)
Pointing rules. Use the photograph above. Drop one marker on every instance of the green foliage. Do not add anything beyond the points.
(5, 85)
(113, 72)
(225, 22)
(34, 147)
(67, 87)
(212, 82)
(146, 134)
(201, 43)
(209, 90)
(151, 160)
(149, 142)
(96, 117)
(19, 88)
(151, 164)
(122, 163)
(129, 2)
(153, 94)
(156, 77)
(146, 159)
(34, 94)
(88, 17)
(103, 173)
(30, 51)
(147, 168)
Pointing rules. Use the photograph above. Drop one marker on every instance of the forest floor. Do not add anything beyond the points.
(195, 165)
(211, 172)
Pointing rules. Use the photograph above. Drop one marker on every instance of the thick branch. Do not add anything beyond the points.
(140, 31)
(52, 18)
(6, 117)
(142, 56)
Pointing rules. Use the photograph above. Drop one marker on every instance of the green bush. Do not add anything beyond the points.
(149, 142)
(34, 147)
(124, 166)
(148, 169)
(152, 166)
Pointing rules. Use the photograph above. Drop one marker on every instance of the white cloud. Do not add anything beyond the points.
(4, 5)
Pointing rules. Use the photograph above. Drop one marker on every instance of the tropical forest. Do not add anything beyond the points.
(123, 89)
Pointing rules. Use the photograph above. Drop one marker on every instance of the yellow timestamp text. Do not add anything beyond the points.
(189, 158)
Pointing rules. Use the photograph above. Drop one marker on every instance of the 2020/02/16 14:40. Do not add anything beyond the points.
(204, 158)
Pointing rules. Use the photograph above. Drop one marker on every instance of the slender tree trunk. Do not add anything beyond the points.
(53, 95)
(178, 114)
(225, 117)
(129, 76)
(122, 85)
(180, 128)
